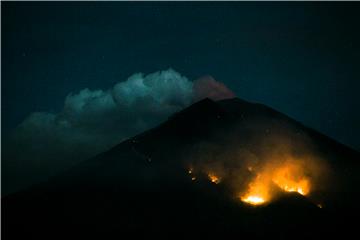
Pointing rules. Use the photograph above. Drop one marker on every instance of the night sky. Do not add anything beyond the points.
(299, 58)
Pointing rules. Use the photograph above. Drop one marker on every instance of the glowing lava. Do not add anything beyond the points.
(291, 178)
(213, 178)
(254, 200)
(258, 191)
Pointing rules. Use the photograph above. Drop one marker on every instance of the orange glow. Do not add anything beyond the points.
(193, 178)
(213, 178)
(258, 191)
(290, 177)
(254, 200)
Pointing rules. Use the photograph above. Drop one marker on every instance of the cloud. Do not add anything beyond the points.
(93, 121)
(208, 87)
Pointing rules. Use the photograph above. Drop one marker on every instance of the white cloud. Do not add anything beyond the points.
(92, 121)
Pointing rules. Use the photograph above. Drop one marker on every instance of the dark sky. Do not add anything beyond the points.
(299, 58)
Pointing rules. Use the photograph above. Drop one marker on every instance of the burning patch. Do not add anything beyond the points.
(213, 178)
(288, 176)
(272, 167)
(254, 200)
(291, 178)
(258, 191)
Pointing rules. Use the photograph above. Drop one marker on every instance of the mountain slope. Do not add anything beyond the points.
(157, 182)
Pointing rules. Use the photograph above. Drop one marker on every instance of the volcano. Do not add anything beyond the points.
(217, 169)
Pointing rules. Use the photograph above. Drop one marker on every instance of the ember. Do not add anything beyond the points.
(213, 178)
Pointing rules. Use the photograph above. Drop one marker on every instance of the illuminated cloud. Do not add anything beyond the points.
(208, 87)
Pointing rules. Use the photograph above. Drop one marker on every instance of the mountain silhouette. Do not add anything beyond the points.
(157, 183)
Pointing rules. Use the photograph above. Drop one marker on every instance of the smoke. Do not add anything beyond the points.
(93, 121)
(207, 87)
(260, 161)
